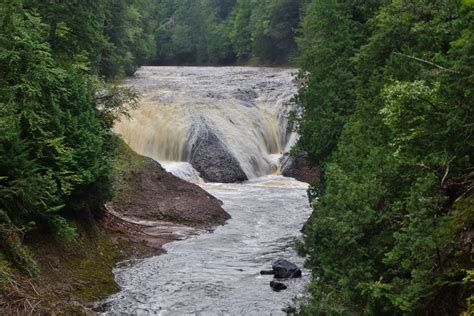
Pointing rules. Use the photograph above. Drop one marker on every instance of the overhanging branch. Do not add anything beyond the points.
(427, 62)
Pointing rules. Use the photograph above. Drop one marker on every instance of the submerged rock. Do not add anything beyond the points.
(211, 158)
(277, 286)
(245, 95)
(283, 269)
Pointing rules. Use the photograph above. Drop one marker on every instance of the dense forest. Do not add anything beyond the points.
(227, 31)
(386, 94)
(57, 111)
(387, 101)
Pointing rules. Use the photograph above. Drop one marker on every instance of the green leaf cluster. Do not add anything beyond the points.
(109, 37)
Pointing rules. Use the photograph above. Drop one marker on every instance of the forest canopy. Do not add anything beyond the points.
(387, 99)
(226, 31)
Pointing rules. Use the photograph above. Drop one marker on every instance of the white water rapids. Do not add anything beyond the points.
(218, 273)
(245, 107)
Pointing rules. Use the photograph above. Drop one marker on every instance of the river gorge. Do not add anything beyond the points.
(225, 129)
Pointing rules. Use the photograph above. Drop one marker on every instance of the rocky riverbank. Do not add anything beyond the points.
(145, 191)
(151, 207)
(300, 168)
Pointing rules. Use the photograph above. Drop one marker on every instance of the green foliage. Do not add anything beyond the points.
(13, 250)
(222, 32)
(55, 118)
(388, 112)
(329, 41)
(110, 37)
(27, 105)
(129, 30)
(240, 30)
(273, 24)
(114, 101)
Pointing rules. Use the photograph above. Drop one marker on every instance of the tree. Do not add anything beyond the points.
(388, 231)
(274, 24)
(330, 39)
(56, 142)
(240, 33)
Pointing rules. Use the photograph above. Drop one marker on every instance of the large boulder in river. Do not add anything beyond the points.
(283, 269)
(213, 160)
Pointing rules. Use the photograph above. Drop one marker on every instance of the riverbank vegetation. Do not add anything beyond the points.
(56, 111)
(387, 96)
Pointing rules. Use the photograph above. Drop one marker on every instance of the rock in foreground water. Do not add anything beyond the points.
(284, 269)
(277, 286)
(267, 272)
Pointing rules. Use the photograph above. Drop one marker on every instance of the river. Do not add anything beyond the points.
(218, 273)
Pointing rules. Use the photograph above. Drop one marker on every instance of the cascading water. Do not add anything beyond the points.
(245, 108)
(217, 119)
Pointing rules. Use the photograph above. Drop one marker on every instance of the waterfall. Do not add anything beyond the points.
(240, 112)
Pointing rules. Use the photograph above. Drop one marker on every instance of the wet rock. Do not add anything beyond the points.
(245, 95)
(211, 158)
(277, 286)
(300, 169)
(267, 272)
(215, 95)
(284, 269)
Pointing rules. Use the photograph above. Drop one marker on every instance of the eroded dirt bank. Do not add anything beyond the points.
(146, 191)
(151, 207)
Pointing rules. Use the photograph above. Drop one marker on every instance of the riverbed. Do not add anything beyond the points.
(219, 273)
(210, 125)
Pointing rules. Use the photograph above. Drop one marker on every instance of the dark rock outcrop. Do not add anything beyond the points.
(277, 286)
(284, 269)
(210, 157)
(300, 169)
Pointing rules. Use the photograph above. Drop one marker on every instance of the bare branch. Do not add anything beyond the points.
(445, 174)
(427, 62)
